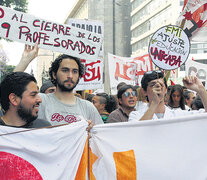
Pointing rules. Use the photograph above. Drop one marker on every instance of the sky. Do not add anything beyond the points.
(55, 11)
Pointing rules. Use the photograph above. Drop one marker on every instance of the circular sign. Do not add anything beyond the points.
(169, 47)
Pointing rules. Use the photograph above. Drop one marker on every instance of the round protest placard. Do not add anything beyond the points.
(169, 47)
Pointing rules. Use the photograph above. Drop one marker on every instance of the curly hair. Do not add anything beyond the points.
(56, 64)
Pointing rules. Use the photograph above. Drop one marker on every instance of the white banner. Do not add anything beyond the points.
(128, 69)
(88, 25)
(167, 149)
(173, 149)
(93, 77)
(18, 26)
(194, 68)
(47, 153)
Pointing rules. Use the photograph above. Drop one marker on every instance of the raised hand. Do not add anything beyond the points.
(193, 83)
(30, 53)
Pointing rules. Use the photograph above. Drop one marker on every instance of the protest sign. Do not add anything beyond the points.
(128, 69)
(169, 47)
(193, 19)
(18, 26)
(93, 77)
(129, 150)
(88, 25)
(165, 149)
(194, 68)
(40, 154)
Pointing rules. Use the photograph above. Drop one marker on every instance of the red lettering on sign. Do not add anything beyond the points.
(169, 59)
(6, 26)
(2, 13)
(92, 71)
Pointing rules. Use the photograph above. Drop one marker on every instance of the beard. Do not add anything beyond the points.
(68, 88)
(25, 114)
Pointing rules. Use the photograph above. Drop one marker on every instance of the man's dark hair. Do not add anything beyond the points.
(120, 85)
(123, 89)
(56, 64)
(197, 102)
(108, 100)
(16, 83)
(150, 76)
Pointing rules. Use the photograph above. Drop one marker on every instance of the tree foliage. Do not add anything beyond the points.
(6, 70)
(19, 5)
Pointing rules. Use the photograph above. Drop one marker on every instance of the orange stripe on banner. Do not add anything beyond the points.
(81, 173)
(92, 160)
(125, 165)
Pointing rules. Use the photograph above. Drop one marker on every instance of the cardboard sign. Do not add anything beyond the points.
(88, 25)
(18, 26)
(169, 47)
(93, 77)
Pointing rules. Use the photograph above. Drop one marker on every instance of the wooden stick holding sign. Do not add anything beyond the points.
(18, 26)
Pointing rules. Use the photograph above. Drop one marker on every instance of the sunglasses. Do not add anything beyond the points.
(127, 94)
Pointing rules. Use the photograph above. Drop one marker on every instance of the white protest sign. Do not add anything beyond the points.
(88, 25)
(169, 47)
(18, 26)
(128, 69)
(93, 77)
(193, 68)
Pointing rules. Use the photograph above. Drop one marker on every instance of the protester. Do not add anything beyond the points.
(189, 97)
(120, 85)
(197, 104)
(47, 87)
(20, 101)
(62, 106)
(105, 104)
(155, 88)
(89, 97)
(127, 97)
(176, 98)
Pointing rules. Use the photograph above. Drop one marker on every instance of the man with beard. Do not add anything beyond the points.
(20, 101)
(62, 106)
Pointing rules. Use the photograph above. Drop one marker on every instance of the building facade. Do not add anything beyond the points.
(115, 16)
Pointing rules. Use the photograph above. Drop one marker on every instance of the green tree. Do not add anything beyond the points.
(19, 5)
(6, 70)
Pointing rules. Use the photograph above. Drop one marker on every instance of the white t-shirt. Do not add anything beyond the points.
(56, 112)
(140, 105)
(169, 113)
(186, 108)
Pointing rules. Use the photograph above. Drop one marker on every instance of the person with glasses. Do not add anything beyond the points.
(155, 88)
(105, 104)
(127, 98)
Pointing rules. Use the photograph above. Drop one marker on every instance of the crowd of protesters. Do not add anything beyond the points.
(58, 104)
